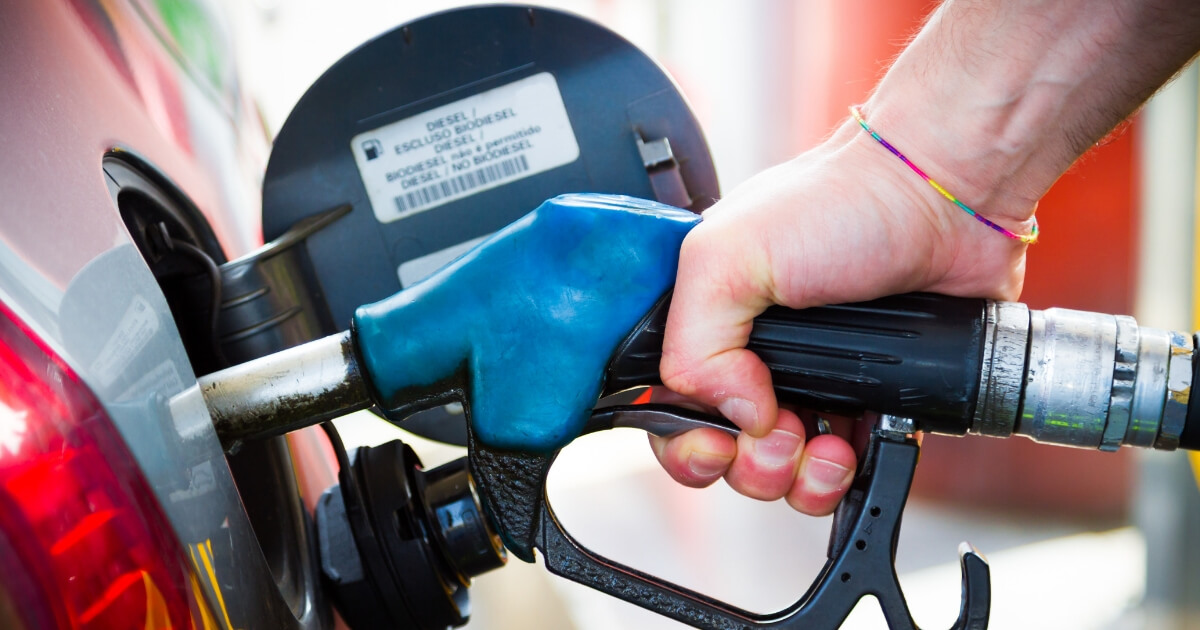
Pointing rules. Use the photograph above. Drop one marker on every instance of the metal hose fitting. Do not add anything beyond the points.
(1082, 379)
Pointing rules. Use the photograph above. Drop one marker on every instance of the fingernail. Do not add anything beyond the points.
(741, 411)
(707, 464)
(779, 448)
(823, 476)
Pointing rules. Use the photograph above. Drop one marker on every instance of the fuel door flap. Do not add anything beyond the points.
(441, 131)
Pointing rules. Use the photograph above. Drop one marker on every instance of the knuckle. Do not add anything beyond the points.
(681, 372)
(676, 377)
(701, 246)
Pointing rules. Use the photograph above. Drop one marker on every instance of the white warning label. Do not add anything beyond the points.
(469, 146)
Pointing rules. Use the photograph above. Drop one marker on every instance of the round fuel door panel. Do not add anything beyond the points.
(441, 131)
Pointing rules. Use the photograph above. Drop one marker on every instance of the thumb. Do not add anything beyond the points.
(716, 298)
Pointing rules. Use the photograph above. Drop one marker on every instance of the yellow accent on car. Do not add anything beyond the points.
(1194, 456)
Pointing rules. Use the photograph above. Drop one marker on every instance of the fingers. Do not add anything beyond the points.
(825, 472)
(697, 458)
(765, 467)
(812, 475)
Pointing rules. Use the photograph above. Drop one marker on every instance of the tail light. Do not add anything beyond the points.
(83, 542)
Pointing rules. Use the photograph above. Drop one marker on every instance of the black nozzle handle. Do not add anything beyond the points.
(870, 516)
(916, 355)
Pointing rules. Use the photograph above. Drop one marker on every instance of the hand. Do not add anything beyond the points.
(842, 223)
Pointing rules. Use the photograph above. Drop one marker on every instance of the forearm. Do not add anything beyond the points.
(997, 99)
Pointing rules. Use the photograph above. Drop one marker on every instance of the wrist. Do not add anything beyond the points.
(956, 150)
(937, 246)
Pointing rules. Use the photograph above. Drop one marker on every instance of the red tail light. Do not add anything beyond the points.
(83, 542)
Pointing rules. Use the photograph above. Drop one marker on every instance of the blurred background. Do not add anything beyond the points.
(1076, 539)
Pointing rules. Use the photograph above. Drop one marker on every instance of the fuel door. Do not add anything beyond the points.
(439, 132)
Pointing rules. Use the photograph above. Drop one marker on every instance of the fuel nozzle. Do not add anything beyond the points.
(399, 544)
(1082, 379)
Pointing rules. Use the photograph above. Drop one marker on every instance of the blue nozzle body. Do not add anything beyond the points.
(522, 327)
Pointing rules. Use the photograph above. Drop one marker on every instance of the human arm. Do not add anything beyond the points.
(994, 100)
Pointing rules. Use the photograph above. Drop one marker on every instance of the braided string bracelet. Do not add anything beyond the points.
(1029, 239)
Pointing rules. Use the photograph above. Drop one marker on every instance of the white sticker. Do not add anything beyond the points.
(417, 269)
(469, 146)
(164, 378)
(136, 328)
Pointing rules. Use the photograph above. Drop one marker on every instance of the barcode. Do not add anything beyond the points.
(461, 183)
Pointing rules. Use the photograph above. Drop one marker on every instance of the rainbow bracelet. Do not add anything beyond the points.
(1028, 240)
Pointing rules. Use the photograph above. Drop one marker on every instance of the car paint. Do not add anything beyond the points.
(82, 80)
